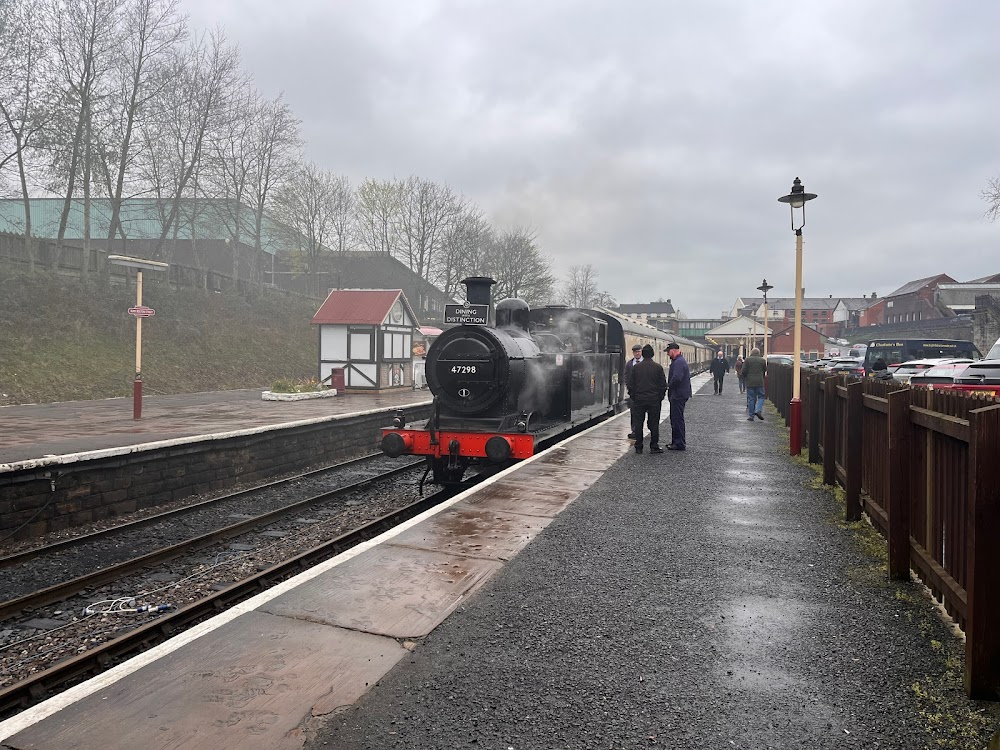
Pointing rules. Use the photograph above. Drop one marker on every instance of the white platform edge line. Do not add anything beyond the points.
(65, 458)
(53, 705)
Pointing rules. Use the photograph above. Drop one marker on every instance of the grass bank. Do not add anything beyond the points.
(65, 340)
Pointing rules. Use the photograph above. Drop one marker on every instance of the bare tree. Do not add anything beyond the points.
(992, 196)
(276, 145)
(341, 213)
(376, 208)
(464, 251)
(22, 92)
(86, 35)
(197, 103)
(426, 211)
(151, 31)
(229, 167)
(580, 289)
(305, 207)
(519, 267)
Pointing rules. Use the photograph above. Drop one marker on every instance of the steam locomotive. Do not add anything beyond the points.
(501, 390)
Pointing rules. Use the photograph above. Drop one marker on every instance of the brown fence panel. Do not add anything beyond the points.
(854, 435)
(874, 461)
(982, 645)
(898, 508)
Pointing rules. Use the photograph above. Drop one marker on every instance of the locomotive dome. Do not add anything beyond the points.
(512, 313)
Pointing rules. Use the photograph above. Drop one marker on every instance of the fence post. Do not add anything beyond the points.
(830, 429)
(855, 436)
(982, 621)
(899, 484)
(813, 417)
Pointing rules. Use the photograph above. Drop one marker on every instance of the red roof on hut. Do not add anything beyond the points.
(362, 306)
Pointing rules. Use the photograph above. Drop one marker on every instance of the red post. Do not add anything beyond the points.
(136, 399)
(795, 427)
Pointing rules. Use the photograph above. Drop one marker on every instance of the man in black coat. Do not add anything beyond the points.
(719, 368)
(647, 385)
(679, 387)
(636, 359)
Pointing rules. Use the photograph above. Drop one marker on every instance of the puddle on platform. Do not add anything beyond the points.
(747, 475)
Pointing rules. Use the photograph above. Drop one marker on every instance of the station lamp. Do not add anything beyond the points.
(796, 200)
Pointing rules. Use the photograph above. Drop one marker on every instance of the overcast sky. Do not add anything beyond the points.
(652, 139)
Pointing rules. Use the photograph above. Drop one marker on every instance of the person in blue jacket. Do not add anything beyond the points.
(678, 392)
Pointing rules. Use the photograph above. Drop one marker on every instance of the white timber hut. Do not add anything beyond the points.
(366, 335)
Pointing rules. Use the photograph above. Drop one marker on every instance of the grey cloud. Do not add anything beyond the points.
(653, 139)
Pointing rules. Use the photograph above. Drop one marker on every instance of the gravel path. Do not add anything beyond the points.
(706, 599)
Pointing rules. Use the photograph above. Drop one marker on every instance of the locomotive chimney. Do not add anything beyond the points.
(477, 289)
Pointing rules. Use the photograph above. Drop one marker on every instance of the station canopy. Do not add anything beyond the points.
(737, 330)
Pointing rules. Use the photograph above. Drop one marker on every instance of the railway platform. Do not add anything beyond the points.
(586, 598)
(34, 431)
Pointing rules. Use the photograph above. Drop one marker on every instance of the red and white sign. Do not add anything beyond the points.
(142, 311)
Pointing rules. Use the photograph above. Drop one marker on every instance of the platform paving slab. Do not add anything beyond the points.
(260, 678)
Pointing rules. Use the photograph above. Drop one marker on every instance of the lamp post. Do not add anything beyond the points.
(140, 312)
(765, 288)
(796, 200)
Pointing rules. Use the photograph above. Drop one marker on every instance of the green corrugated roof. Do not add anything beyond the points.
(139, 219)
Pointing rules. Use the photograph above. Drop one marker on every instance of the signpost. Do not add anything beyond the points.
(140, 311)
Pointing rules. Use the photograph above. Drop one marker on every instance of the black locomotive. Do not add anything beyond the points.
(501, 390)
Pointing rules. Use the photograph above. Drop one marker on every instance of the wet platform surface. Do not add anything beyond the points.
(38, 430)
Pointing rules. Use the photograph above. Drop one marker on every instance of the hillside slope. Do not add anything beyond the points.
(63, 340)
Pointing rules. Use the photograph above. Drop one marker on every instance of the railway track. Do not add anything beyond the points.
(44, 683)
(63, 589)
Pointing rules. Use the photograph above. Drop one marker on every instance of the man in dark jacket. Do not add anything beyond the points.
(636, 359)
(679, 391)
(647, 386)
(719, 368)
(754, 370)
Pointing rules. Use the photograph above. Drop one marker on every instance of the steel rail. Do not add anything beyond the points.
(63, 590)
(38, 686)
(29, 554)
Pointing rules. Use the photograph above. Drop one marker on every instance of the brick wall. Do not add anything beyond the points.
(61, 496)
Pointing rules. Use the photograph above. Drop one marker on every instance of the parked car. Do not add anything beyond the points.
(938, 375)
(906, 370)
(979, 377)
(849, 365)
(780, 359)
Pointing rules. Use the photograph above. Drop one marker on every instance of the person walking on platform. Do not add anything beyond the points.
(636, 359)
(738, 367)
(679, 391)
(719, 368)
(647, 385)
(754, 370)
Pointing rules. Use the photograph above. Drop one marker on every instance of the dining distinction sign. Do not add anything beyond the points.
(467, 315)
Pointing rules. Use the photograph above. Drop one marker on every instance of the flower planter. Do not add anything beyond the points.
(271, 396)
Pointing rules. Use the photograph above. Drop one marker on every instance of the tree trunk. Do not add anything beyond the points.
(29, 244)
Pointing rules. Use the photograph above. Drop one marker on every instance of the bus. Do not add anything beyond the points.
(896, 351)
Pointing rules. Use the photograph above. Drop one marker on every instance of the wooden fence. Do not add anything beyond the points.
(925, 466)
